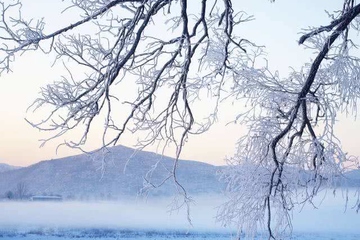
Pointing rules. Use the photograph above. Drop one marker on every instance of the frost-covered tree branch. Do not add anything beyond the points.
(291, 151)
(191, 56)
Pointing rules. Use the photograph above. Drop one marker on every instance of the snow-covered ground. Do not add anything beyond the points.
(152, 220)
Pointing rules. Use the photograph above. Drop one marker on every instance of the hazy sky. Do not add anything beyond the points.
(277, 26)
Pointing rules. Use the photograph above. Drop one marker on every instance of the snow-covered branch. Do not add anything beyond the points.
(291, 151)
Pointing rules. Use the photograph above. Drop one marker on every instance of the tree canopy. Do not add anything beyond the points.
(290, 152)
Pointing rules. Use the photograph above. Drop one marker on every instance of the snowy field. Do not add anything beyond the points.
(111, 234)
(152, 220)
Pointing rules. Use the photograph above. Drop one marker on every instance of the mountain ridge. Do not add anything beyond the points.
(119, 173)
(4, 167)
(111, 175)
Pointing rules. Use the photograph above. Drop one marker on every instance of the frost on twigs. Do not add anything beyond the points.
(136, 65)
(195, 57)
(291, 152)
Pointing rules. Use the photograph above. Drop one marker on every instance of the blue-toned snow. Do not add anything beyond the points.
(152, 220)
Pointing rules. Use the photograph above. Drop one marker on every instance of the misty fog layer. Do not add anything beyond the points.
(155, 215)
(139, 214)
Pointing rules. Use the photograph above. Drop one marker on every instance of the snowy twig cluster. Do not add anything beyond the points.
(291, 151)
(116, 40)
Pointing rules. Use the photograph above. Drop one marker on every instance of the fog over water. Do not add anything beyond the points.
(155, 215)
(142, 214)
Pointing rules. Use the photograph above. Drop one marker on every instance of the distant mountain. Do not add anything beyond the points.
(353, 178)
(102, 176)
(6, 167)
(353, 174)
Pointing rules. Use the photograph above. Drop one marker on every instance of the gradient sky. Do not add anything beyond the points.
(277, 26)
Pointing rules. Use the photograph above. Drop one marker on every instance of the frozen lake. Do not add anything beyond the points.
(152, 220)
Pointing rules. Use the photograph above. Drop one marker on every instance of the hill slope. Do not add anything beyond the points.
(6, 167)
(102, 176)
(353, 178)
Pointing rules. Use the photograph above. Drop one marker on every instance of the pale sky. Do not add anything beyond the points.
(277, 26)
